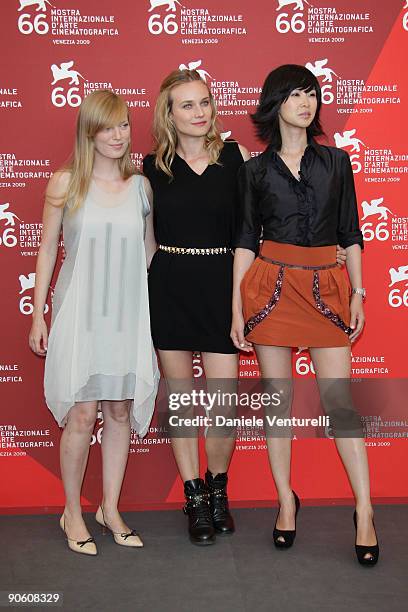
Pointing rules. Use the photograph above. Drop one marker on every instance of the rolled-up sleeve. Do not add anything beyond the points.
(249, 219)
(348, 231)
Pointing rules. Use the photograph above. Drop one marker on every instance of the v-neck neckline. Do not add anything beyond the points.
(297, 179)
(191, 169)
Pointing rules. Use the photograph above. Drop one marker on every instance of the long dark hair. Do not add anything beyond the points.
(277, 87)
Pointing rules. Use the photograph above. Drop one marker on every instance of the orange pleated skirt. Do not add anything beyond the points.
(296, 296)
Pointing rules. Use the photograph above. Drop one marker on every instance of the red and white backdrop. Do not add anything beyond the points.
(54, 53)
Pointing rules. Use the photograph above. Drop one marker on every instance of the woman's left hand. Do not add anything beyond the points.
(341, 256)
(357, 317)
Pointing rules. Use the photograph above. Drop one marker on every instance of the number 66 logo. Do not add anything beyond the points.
(27, 25)
(8, 238)
(304, 366)
(380, 231)
(26, 305)
(156, 26)
(398, 297)
(66, 72)
(295, 24)
(60, 98)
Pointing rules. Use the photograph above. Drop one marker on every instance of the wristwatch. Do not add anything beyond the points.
(359, 291)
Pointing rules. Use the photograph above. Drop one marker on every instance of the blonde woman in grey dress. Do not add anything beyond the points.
(99, 352)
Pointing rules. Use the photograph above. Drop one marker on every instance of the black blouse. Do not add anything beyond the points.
(320, 209)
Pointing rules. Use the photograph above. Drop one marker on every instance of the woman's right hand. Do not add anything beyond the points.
(38, 337)
(237, 334)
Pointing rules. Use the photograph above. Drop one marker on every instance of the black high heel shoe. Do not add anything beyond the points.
(288, 535)
(362, 551)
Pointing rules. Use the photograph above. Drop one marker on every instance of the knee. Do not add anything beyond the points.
(83, 418)
(337, 400)
(117, 412)
(344, 418)
(345, 422)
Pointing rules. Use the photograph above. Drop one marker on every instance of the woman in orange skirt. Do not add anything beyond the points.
(299, 197)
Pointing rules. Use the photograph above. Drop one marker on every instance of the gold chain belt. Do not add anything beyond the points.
(194, 251)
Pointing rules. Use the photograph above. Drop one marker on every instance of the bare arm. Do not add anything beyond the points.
(242, 261)
(150, 240)
(353, 264)
(244, 152)
(52, 220)
(341, 255)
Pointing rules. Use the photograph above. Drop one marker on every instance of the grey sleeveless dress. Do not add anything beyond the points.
(100, 346)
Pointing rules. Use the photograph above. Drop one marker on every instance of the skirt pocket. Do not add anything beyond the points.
(261, 293)
(332, 297)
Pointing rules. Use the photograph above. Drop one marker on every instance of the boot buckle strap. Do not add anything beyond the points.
(198, 499)
(219, 493)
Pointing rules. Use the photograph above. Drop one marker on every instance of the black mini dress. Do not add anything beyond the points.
(190, 295)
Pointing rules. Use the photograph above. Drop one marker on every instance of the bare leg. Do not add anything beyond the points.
(219, 448)
(115, 452)
(74, 450)
(275, 363)
(178, 370)
(335, 363)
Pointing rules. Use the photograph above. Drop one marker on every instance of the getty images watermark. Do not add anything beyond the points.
(227, 400)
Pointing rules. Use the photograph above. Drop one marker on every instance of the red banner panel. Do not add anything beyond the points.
(54, 53)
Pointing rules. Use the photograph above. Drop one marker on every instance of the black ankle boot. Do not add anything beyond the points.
(221, 517)
(200, 527)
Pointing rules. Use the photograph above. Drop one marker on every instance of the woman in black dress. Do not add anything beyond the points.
(301, 197)
(193, 176)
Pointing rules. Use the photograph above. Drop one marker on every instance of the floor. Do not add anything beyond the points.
(240, 573)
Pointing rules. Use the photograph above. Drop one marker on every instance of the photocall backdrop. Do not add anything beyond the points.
(53, 54)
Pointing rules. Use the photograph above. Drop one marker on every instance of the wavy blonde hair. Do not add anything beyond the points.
(164, 131)
(100, 109)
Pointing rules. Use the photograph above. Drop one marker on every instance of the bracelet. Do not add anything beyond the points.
(359, 291)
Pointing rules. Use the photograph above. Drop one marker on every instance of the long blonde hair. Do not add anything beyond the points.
(164, 131)
(100, 109)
